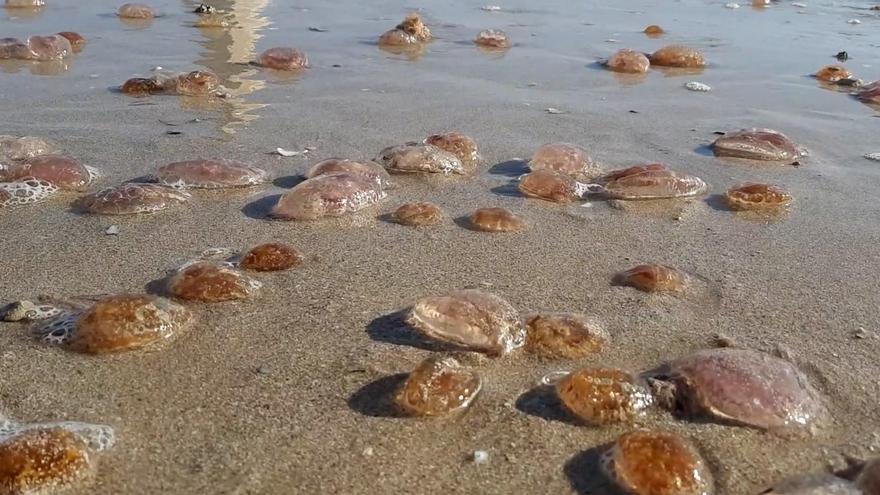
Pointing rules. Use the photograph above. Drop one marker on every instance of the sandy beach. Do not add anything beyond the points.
(287, 393)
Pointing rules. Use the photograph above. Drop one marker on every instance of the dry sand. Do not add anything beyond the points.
(284, 394)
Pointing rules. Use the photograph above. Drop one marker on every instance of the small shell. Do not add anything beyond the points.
(135, 11)
(437, 387)
(210, 174)
(209, 282)
(678, 56)
(329, 195)
(460, 145)
(653, 278)
(418, 214)
(754, 196)
(628, 61)
(421, 158)
(564, 335)
(698, 86)
(492, 38)
(370, 170)
(27, 191)
(284, 58)
(271, 257)
(496, 220)
(833, 73)
(549, 185)
(652, 181)
(565, 158)
(603, 396)
(757, 144)
(131, 198)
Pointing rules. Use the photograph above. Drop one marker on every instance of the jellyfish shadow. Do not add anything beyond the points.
(288, 181)
(465, 223)
(376, 399)
(584, 473)
(158, 287)
(261, 209)
(510, 168)
(704, 150)
(393, 329)
(718, 203)
(509, 190)
(542, 402)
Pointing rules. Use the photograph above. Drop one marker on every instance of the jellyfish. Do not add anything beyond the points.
(370, 170)
(653, 181)
(833, 73)
(421, 158)
(757, 144)
(63, 171)
(628, 61)
(564, 335)
(418, 214)
(654, 31)
(410, 31)
(210, 174)
(21, 148)
(329, 195)
(77, 41)
(550, 185)
(26, 191)
(496, 220)
(492, 38)
(439, 386)
(460, 145)
(755, 196)
(678, 56)
(270, 257)
(600, 396)
(131, 198)
(565, 158)
(284, 58)
(653, 278)
(136, 11)
(211, 282)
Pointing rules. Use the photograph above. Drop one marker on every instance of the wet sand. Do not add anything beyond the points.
(284, 394)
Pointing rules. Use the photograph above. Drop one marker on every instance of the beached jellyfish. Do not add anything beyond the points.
(21, 148)
(495, 220)
(833, 73)
(271, 257)
(210, 174)
(136, 11)
(14, 48)
(460, 145)
(142, 86)
(678, 56)
(565, 158)
(757, 144)
(15, 4)
(418, 214)
(600, 396)
(628, 61)
(116, 323)
(27, 190)
(195, 83)
(471, 319)
(755, 196)
(63, 171)
(653, 181)
(411, 31)
(284, 58)
(211, 282)
(421, 158)
(370, 170)
(646, 462)
(77, 41)
(131, 198)
(439, 386)
(653, 278)
(40, 460)
(492, 38)
(740, 386)
(654, 30)
(870, 93)
(43, 48)
(564, 335)
(329, 195)
(550, 185)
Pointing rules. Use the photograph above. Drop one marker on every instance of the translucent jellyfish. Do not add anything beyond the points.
(870, 93)
(115, 324)
(757, 144)
(471, 319)
(654, 31)
(195, 83)
(628, 61)
(439, 386)
(210, 174)
(678, 56)
(412, 30)
(564, 335)
(460, 145)
(77, 41)
(550, 185)
(755, 196)
(740, 386)
(653, 278)
(418, 214)
(21, 148)
(131, 198)
(653, 181)
(14, 48)
(142, 86)
(565, 158)
(211, 282)
(370, 170)
(496, 220)
(600, 396)
(271, 257)
(656, 463)
(833, 73)
(41, 460)
(63, 171)
(28, 190)
(284, 58)
(329, 195)
(15, 4)
(492, 38)
(136, 11)
(421, 158)
(52, 47)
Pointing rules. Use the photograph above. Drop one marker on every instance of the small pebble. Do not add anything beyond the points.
(854, 21)
(873, 156)
(861, 333)
(368, 452)
(481, 457)
(112, 230)
(698, 86)
(555, 111)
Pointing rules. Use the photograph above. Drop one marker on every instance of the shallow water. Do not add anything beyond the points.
(280, 394)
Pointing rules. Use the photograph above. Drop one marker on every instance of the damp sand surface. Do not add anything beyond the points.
(284, 393)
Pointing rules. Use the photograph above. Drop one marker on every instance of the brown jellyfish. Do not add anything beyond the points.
(565, 158)
(600, 396)
(757, 144)
(421, 158)
(460, 145)
(76, 40)
(370, 170)
(210, 174)
(678, 56)
(654, 31)
(27, 190)
(492, 38)
(271, 257)
(439, 386)
(211, 282)
(755, 196)
(141, 86)
(136, 11)
(21, 148)
(870, 93)
(564, 335)
(195, 83)
(410, 31)
(653, 278)
(328, 195)
(653, 181)
(496, 220)
(628, 61)
(62, 171)
(131, 198)
(418, 214)
(284, 58)
(833, 73)
(471, 319)
(42, 459)
(550, 185)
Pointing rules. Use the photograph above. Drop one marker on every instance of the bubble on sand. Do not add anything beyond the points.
(284, 58)
(421, 158)
(471, 319)
(678, 56)
(460, 145)
(755, 196)
(628, 61)
(496, 220)
(135, 11)
(370, 170)
(418, 214)
(653, 181)
(565, 158)
(211, 282)
(439, 386)
(130, 199)
(600, 396)
(757, 144)
(564, 335)
(210, 174)
(492, 38)
(653, 278)
(329, 195)
(63, 171)
(21, 148)
(410, 31)
(27, 191)
(271, 257)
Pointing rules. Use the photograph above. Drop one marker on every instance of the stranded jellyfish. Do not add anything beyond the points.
(77, 41)
(284, 58)
(116, 323)
(437, 387)
(495, 220)
(135, 11)
(628, 61)
(460, 145)
(492, 38)
(754, 196)
(656, 463)
(63, 171)
(740, 386)
(23, 4)
(471, 319)
(210, 174)
(833, 73)
(870, 93)
(653, 278)
(42, 48)
(21, 148)
(131, 198)
(421, 158)
(551, 185)
(564, 335)
(142, 86)
(369, 170)
(25, 191)
(565, 158)
(418, 214)
(600, 396)
(411, 31)
(329, 195)
(678, 56)
(653, 181)
(653, 31)
(271, 257)
(757, 144)
(211, 282)
(195, 83)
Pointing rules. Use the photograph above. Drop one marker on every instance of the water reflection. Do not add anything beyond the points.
(228, 50)
(22, 13)
(42, 68)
